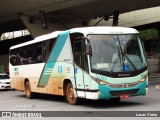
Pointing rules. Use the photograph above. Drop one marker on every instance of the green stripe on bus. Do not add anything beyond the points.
(52, 59)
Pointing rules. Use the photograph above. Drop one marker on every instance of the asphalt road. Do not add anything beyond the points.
(16, 101)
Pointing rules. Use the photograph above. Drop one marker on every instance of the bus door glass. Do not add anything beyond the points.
(78, 58)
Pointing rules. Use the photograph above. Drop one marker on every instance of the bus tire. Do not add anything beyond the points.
(29, 94)
(70, 95)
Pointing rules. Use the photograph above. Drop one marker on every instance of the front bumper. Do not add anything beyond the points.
(107, 92)
(5, 86)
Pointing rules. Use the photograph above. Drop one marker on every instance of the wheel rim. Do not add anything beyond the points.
(70, 95)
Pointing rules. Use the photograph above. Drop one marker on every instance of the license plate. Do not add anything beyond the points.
(124, 96)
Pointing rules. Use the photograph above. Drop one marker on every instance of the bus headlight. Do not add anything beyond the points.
(99, 81)
(143, 79)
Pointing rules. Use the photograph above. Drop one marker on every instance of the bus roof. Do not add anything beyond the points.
(104, 30)
(38, 39)
(85, 31)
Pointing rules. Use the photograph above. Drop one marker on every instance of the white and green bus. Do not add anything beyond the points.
(91, 62)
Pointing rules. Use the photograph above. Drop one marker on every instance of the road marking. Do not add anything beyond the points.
(11, 101)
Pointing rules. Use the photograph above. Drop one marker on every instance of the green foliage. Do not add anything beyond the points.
(149, 34)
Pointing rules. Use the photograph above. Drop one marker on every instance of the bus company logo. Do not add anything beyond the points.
(21, 114)
(15, 69)
(124, 75)
(16, 72)
(6, 114)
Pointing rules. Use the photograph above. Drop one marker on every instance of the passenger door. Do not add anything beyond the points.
(79, 63)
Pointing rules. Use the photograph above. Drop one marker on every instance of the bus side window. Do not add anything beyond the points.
(21, 60)
(13, 57)
(38, 53)
(39, 58)
(47, 48)
(51, 42)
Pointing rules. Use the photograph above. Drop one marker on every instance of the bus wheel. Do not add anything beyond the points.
(29, 94)
(70, 95)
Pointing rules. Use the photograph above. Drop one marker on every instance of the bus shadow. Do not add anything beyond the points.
(4, 90)
(46, 97)
(86, 102)
(109, 104)
(55, 98)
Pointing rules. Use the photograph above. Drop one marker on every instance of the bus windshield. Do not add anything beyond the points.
(4, 77)
(117, 53)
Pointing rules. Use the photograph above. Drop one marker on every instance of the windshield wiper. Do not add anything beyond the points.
(114, 64)
(131, 62)
(122, 54)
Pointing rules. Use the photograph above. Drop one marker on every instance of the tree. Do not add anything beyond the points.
(149, 34)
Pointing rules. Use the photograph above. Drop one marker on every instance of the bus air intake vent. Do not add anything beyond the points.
(124, 85)
(126, 92)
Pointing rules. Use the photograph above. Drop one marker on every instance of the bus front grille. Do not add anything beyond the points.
(126, 92)
(123, 85)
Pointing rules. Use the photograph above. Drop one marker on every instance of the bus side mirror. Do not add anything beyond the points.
(88, 49)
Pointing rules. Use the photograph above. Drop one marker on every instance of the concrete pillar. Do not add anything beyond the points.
(34, 26)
